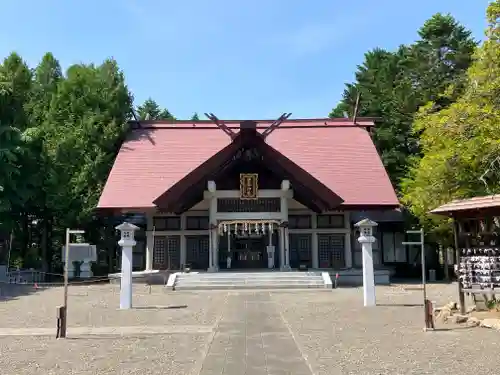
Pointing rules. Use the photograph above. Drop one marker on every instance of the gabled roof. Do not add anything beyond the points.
(320, 197)
(336, 153)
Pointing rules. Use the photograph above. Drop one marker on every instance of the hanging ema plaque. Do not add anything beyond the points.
(249, 185)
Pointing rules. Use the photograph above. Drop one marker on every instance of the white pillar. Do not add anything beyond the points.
(366, 240)
(127, 243)
(149, 250)
(287, 249)
(149, 243)
(183, 249)
(282, 247)
(314, 241)
(270, 250)
(212, 211)
(347, 242)
(284, 243)
(348, 250)
(210, 251)
(229, 254)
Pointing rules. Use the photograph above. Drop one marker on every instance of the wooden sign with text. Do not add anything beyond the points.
(249, 185)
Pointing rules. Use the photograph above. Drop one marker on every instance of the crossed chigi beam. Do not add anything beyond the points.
(221, 125)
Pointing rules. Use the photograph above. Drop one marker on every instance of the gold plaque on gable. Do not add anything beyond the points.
(249, 185)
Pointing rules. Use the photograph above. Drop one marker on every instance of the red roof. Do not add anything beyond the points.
(336, 153)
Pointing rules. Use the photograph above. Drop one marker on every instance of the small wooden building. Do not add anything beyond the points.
(476, 223)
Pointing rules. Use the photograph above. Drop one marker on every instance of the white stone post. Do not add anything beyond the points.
(127, 243)
(366, 240)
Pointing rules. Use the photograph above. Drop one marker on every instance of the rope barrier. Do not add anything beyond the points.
(51, 284)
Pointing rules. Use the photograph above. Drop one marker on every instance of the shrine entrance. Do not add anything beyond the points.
(249, 252)
(248, 244)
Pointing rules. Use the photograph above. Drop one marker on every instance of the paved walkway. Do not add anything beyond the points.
(252, 337)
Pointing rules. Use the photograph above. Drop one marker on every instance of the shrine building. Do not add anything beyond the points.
(266, 194)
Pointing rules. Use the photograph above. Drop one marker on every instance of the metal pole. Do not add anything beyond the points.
(422, 246)
(65, 303)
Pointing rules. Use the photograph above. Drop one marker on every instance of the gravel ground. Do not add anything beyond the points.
(98, 306)
(174, 354)
(265, 332)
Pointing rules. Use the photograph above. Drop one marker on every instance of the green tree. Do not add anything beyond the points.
(460, 142)
(150, 110)
(393, 85)
(195, 117)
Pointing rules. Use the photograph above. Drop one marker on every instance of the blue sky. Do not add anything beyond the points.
(237, 59)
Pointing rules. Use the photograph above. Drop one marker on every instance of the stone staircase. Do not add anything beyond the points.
(249, 280)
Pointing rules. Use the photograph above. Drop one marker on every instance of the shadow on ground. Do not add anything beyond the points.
(173, 307)
(400, 304)
(10, 291)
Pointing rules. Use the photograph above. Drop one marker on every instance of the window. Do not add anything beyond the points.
(331, 221)
(299, 222)
(254, 205)
(167, 223)
(197, 222)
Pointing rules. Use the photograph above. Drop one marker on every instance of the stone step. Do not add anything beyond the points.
(264, 275)
(248, 286)
(268, 279)
(250, 282)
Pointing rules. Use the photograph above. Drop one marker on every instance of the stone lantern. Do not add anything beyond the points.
(127, 242)
(366, 239)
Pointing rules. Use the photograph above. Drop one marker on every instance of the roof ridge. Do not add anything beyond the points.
(261, 124)
(336, 119)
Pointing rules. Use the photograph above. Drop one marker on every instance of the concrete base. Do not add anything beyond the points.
(354, 277)
(155, 277)
(349, 277)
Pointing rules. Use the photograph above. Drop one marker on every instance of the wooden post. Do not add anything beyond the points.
(61, 322)
(429, 315)
(446, 270)
(63, 311)
(461, 295)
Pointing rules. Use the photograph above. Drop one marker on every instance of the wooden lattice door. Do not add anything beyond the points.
(197, 251)
(331, 250)
(300, 250)
(166, 253)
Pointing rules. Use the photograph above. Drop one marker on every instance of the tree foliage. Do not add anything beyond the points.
(460, 143)
(59, 136)
(150, 110)
(393, 85)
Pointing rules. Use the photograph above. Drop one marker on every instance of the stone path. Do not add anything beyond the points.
(240, 332)
(252, 337)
